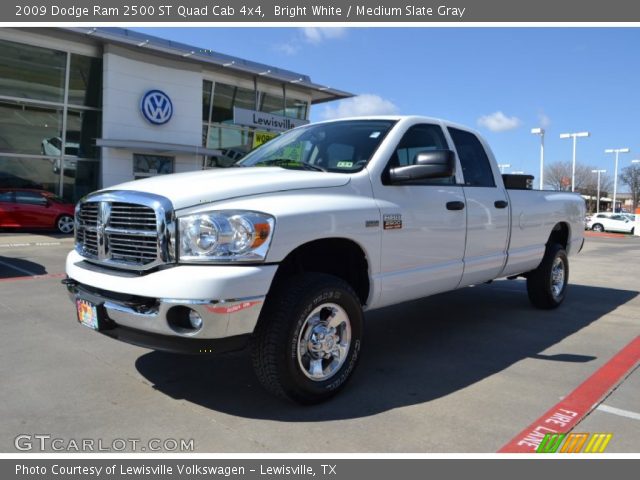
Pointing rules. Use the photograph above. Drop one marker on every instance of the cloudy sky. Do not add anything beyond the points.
(501, 81)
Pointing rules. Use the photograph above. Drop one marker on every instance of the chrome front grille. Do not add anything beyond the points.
(133, 234)
(127, 216)
(88, 215)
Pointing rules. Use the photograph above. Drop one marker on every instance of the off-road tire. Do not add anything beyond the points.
(275, 344)
(542, 289)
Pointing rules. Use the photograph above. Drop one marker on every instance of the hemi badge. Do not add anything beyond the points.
(392, 221)
(372, 223)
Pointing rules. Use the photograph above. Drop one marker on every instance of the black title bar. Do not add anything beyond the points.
(296, 11)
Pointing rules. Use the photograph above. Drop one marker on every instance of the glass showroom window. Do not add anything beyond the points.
(85, 81)
(29, 129)
(35, 148)
(145, 165)
(272, 103)
(83, 127)
(32, 72)
(225, 97)
(295, 108)
(233, 143)
(29, 172)
(207, 92)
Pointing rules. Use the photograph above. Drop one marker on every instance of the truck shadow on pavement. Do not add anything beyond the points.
(412, 353)
(19, 267)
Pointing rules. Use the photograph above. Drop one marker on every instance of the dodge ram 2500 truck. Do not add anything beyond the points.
(286, 250)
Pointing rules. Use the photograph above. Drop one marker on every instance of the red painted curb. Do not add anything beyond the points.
(605, 235)
(568, 412)
(33, 277)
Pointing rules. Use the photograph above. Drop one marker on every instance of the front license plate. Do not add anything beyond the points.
(87, 314)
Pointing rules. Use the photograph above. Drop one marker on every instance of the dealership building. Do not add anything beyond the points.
(86, 108)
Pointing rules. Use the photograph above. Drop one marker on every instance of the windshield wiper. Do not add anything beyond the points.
(309, 166)
(288, 163)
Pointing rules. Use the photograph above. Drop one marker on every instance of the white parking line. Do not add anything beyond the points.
(21, 270)
(618, 411)
(32, 244)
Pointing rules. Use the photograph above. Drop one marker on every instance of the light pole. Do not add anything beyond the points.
(503, 166)
(573, 164)
(598, 194)
(540, 131)
(617, 151)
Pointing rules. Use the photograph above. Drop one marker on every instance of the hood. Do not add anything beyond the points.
(206, 186)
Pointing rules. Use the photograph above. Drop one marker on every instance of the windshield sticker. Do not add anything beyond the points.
(344, 164)
(374, 135)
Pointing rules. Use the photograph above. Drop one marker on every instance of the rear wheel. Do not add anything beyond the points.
(64, 224)
(307, 342)
(597, 227)
(547, 284)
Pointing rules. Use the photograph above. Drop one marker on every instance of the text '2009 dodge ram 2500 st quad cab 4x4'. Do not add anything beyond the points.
(286, 250)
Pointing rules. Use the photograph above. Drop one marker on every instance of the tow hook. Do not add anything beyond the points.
(70, 283)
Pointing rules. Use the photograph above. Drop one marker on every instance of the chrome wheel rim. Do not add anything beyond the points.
(323, 342)
(65, 224)
(557, 277)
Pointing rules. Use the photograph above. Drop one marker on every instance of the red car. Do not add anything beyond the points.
(30, 208)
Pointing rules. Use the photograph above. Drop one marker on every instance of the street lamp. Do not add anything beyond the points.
(598, 194)
(503, 166)
(573, 164)
(615, 173)
(540, 131)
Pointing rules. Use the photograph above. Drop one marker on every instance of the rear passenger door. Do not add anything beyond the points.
(488, 213)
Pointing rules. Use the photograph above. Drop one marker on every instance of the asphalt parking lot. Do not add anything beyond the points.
(464, 371)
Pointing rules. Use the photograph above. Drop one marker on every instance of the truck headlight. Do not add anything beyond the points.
(225, 236)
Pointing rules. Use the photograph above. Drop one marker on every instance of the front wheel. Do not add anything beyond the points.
(64, 224)
(597, 227)
(547, 284)
(307, 342)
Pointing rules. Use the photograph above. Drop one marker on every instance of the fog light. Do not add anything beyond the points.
(195, 320)
(184, 320)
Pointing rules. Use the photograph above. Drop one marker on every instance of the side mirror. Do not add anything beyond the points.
(433, 164)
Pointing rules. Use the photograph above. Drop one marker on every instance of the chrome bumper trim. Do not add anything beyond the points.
(221, 318)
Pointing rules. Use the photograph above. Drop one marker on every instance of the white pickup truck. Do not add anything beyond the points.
(286, 250)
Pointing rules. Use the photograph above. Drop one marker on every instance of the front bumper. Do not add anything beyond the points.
(132, 313)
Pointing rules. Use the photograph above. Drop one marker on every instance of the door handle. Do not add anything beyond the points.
(501, 204)
(455, 205)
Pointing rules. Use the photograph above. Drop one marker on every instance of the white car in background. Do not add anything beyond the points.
(53, 147)
(606, 222)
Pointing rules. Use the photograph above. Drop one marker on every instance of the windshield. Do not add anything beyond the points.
(343, 146)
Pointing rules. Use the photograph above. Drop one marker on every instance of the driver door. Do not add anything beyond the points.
(424, 224)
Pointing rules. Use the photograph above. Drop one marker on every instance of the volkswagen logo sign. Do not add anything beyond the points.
(156, 107)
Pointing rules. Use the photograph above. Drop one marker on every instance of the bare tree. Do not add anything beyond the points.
(557, 176)
(630, 176)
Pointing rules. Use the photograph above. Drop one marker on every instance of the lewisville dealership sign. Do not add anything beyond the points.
(265, 121)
